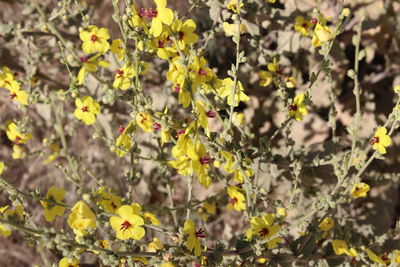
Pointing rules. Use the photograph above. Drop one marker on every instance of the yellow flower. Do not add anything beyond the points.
(123, 76)
(145, 121)
(302, 26)
(15, 136)
(381, 140)
(346, 12)
(162, 45)
(67, 262)
(233, 5)
(200, 163)
(104, 244)
(274, 66)
(190, 158)
(202, 117)
(237, 198)
(5, 230)
(90, 65)
(95, 40)
(117, 48)
(272, 1)
(322, 33)
(155, 245)
(81, 218)
(396, 89)
(137, 20)
(232, 29)
(290, 82)
(55, 149)
(51, 210)
(229, 167)
(281, 212)
(86, 109)
(165, 137)
(108, 201)
(226, 91)
(360, 190)
(193, 242)
(177, 74)
(7, 80)
(265, 228)
(167, 264)
(123, 144)
(297, 109)
(1, 167)
(151, 217)
(262, 260)
(340, 247)
(123, 141)
(375, 258)
(19, 95)
(161, 15)
(206, 210)
(16, 214)
(327, 224)
(266, 78)
(185, 32)
(396, 256)
(18, 152)
(238, 119)
(127, 223)
(199, 72)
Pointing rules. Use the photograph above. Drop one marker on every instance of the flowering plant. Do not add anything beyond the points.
(216, 133)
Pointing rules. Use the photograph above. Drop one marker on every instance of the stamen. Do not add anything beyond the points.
(200, 233)
(374, 140)
(264, 232)
(125, 225)
(93, 38)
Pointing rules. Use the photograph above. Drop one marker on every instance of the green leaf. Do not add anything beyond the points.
(244, 248)
(252, 28)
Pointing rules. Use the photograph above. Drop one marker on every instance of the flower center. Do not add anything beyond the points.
(85, 109)
(292, 107)
(206, 160)
(211, 114)
(160, 44)
(314, 21)
(156, 126)
(179, 132)
(233, 201)
(93, 38)
(264, 232)
(180, 36)
(203, 72)
(200, 233)
(13, 95)
(121, 129)
(83, 59)
(385, 257)
(17, 139)
(125, 226)
(120, 73)
(374, 140)
(177, 88)
(148, 13)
